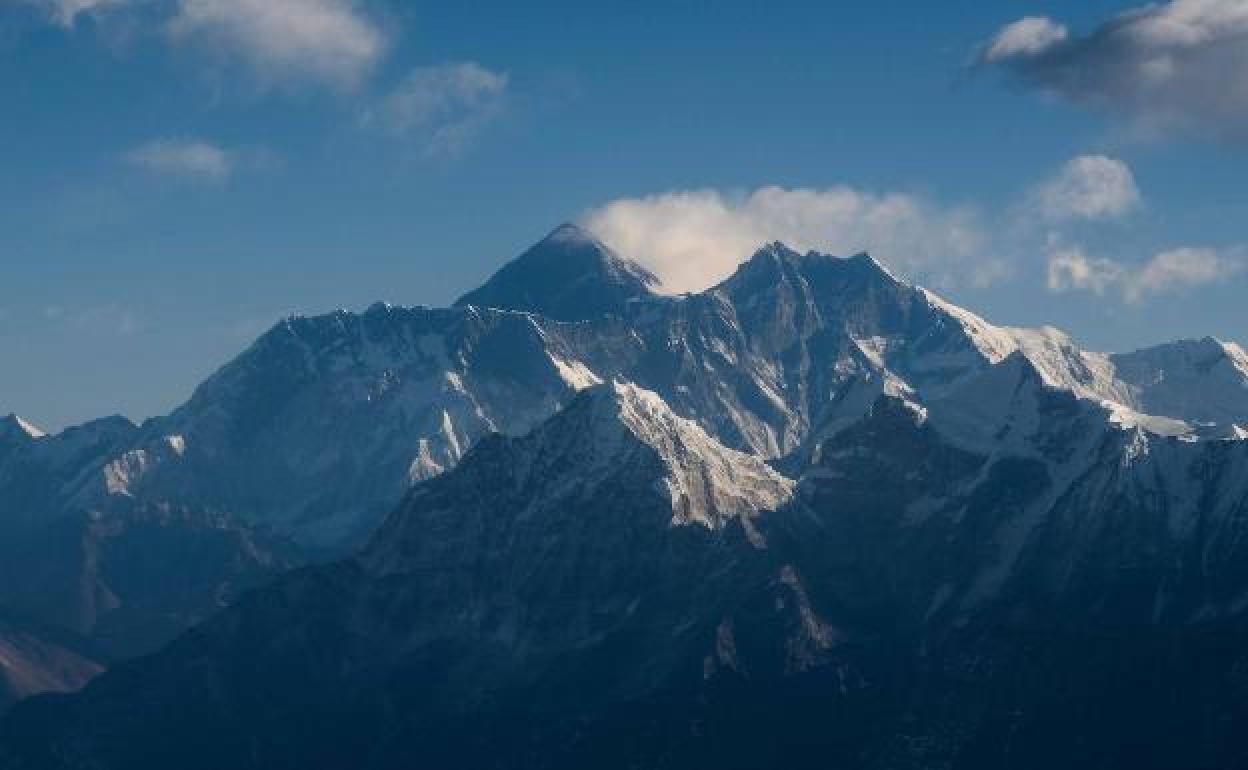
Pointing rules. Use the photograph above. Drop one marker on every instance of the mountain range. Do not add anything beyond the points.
(812, 516)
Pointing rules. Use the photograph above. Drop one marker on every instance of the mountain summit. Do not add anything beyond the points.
(14, 426)
(569, 276)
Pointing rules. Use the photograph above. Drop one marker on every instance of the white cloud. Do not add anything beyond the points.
(185, 158)
(322, 41)
(1072, 270)
(1168, 272)
(283, 42)
(1028, 36)
(443, 106)
(1178, 64)
(1179, 269)
(1088, 187)
(694, 239)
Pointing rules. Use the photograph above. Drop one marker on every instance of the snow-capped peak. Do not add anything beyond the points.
(1237, 354)
(707, 483)
(1201, 381)
(617, 446)
(618, 435)
(1204, 352)
(1172, 389)
(16, 426)
(569, 276)
(994, 342)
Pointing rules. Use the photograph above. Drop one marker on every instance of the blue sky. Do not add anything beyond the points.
(178, 174)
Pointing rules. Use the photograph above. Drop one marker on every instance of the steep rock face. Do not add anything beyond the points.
(323, 424)
(569, 276)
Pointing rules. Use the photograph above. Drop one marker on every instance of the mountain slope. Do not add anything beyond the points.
(462, 566)
(14, 428)
(1199, 386)
(320, 427)
(317, 430)
(1202, 381)
(546, 604)
(607, 435)
(35, 659)
(127, 577)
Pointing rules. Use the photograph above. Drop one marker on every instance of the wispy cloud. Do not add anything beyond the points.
(1088, 187)
(322, 41)
(185, 158)
(1166, 66)
(693, 239)
(443, 107)
(332, 43)
(1168, 272)
(201, 160)
(1029, 36)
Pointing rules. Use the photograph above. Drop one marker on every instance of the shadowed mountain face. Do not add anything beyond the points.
(128, 572)
(38, 659)
(982, 538)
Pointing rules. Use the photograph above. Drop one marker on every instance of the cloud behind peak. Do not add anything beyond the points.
(692, 239)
